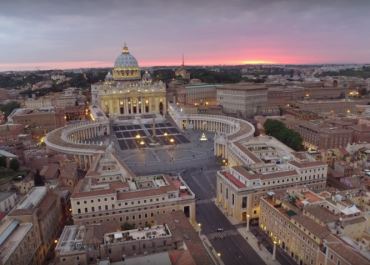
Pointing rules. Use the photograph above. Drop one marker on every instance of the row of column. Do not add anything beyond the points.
(211, 126)
(87, 133)
(115, 105)
(83, 161)
(220, 150)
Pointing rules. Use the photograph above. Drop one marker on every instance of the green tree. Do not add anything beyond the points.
(9, 107)
(363, 91)
(287, 136)
(2, 161)
(38, 180)
(14, 164)
(127, 226)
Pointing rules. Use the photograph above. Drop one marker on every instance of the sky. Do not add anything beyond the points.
(54, 34)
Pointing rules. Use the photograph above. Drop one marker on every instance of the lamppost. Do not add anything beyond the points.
(247, 222)
(200, 229)
(219, 256)
(274, 251)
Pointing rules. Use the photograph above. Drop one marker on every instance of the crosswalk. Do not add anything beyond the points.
(222, 234)
(204, 201)
(209, 176)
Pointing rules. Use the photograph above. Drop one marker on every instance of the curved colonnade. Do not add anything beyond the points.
(74, 139)
(228, 129)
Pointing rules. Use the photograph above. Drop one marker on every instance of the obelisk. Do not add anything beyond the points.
(154, 135)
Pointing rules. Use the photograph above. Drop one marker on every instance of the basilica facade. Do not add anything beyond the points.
(126, 92)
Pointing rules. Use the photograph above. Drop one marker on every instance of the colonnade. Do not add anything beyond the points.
(216, 126)
(85, 134)
(83, 161)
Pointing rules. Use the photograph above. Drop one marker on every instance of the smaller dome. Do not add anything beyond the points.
(146, 77)
(108, 76)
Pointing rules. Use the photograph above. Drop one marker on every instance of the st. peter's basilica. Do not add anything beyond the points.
(126, 92)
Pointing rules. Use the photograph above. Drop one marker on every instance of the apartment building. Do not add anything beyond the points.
(10, 132)
(242, 98)
(110, 191)
(20, 238)
(308, 226)
(279, 94)
(299, 114)
(201, 94)
(68, 98)
(75, 113)
(38, 103)
(172, 232)
(319, 136)
(39, 122)
(42, 206)
(7, 201)
(328, 106)
(260, 165)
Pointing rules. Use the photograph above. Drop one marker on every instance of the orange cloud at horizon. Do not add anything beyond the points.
(103, 64)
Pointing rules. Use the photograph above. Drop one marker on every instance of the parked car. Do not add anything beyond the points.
(220, 229)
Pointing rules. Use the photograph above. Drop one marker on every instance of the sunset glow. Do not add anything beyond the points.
(74, 34)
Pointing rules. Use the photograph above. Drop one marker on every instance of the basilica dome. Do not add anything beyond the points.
(126, 66)
(125, 59)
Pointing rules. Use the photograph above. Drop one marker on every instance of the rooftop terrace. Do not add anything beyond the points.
(137, 234)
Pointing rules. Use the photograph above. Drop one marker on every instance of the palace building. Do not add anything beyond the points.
(126, 92)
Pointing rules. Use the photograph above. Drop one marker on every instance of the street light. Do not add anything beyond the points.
(172, 140)
(274, 252)
(200, 229)
(138, 136)
(247, 222)
(219, 255)
(165, 134)
(142, 142)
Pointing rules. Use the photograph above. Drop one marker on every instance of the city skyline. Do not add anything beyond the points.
(61, 35)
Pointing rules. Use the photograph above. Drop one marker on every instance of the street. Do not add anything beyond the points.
(229, 243)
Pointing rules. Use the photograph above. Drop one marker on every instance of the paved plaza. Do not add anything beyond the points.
(175, 158)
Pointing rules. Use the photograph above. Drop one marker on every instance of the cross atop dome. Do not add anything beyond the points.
(125, 49)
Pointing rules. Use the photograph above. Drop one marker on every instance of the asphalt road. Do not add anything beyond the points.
(230, 244)
(281, 256)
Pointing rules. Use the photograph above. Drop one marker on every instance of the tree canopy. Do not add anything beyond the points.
(9, 107)
(2, 161)
(127, 226)
(14, 164)
(287, 136)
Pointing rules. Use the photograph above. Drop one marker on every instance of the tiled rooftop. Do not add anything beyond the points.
(233, 180)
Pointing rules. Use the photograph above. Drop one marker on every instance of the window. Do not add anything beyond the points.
(331, 256)
(338, 262)
(78, 203)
